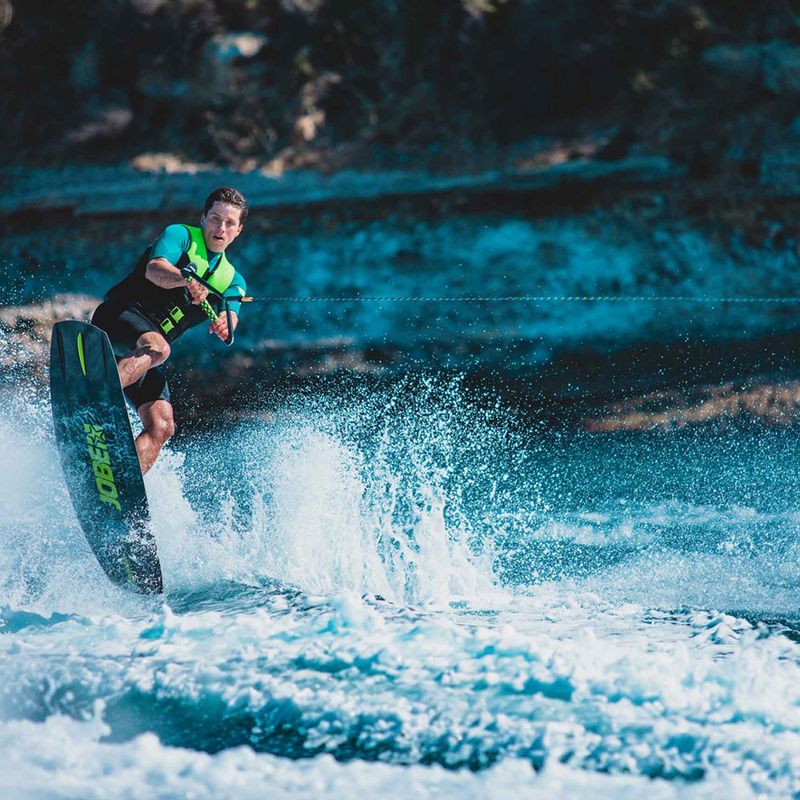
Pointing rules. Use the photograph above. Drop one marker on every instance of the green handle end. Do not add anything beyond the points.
(205, 305)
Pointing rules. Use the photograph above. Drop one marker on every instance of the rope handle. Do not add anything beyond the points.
(190, 275)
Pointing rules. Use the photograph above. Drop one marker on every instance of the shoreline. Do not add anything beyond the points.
(294, 369)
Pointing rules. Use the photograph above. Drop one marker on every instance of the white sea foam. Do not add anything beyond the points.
(64, 759)
(340, 599)
(325, 517)
(671, 697)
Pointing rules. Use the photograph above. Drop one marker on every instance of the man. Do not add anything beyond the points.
(155, 305)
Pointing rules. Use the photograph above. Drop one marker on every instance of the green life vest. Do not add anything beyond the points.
(222, 277)
(176, 320)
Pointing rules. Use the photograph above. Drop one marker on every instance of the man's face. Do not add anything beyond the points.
(221, 225)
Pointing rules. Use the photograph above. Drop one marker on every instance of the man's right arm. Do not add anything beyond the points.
(164, 274)
(160, 272)
(165, 252)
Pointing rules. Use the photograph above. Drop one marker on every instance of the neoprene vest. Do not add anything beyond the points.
(172, 310)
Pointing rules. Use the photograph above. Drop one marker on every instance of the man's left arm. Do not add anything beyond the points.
(220, 326)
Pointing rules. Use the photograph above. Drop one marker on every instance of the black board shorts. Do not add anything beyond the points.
(124, 326)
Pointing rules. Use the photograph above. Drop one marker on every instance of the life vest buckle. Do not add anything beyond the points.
(168, 323)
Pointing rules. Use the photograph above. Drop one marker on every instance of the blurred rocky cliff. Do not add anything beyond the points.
(448, 148)
(274, 84)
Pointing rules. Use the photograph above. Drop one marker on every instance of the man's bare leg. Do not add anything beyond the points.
(151, 350)
(159, 425)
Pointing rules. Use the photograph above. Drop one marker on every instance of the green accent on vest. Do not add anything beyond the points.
(222, 277)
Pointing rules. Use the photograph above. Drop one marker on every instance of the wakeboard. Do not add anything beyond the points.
(95, 442)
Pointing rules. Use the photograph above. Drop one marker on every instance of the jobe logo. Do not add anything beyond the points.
(101, 465)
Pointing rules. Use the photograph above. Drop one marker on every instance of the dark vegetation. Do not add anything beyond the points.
(447, 83)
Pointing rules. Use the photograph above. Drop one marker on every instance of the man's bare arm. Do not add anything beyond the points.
(160, 272)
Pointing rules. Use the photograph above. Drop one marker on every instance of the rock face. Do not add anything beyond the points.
(735, 66)
(773, 404)
(774, 66)
(782, 68)
(486, 275)
(418, 149)
(321, 83)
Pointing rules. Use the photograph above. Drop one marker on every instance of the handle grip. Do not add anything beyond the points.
(190, 275)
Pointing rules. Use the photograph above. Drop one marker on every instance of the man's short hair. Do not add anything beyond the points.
(227, 194)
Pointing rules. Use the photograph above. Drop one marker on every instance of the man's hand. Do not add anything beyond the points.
(220, 327)
(197, 291)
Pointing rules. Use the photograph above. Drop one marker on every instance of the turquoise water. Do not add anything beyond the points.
(410, 593)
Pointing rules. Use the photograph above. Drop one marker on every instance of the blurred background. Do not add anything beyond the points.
(441, 156)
